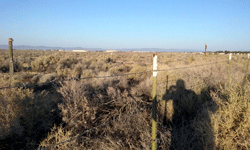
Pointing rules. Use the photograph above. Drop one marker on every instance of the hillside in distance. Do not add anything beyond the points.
(99, 49)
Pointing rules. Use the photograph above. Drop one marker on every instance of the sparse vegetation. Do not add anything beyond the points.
(202, 112)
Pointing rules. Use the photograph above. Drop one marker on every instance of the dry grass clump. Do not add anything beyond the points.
(77, 111)
(5, 66)
(115, 70)
(10, 112)
(138, 68)
(68, 67)
(231, 122)
(25, 117)
(85, 106)
(144, 89)
(105, 67)
(68, 62)
(24, 79)
(77, 69)
(135, 58)
(47, 77)
(88, 73)
(59, 134)
(45, 63)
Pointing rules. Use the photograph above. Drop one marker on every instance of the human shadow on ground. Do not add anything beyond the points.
(190, 124)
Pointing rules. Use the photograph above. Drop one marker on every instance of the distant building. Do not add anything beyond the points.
(111, 51)
(79, 50)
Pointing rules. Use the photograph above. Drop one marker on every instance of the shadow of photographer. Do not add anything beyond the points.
(190, 124)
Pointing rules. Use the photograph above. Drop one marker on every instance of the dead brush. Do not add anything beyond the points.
(4, 66)
(84, 108)
(90, 103)
(44, 63)
(137, 68)
(22, 113)
(10, 114)
(59, 134)
(231, 123)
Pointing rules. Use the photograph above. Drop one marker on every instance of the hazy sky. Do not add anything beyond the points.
(183, 24)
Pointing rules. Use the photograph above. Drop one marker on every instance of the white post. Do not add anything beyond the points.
(154, 108)
(229, 66)
(155, 66)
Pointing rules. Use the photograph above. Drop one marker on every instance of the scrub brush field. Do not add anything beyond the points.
(100, 100)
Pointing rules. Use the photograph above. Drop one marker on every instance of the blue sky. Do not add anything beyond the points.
(183, 24)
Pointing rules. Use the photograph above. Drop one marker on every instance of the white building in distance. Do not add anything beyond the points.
(79, 50)
(111, 51)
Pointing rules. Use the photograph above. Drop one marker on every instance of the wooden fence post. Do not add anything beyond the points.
(11, 56)
(205, 49)
(154, 108)
(229, 68)
(247, 65)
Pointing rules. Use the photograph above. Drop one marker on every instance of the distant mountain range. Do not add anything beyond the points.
(97, 49)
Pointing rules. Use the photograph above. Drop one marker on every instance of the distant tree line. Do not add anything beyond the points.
(226, 52)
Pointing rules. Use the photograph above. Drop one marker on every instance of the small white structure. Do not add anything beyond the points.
(79, 50)
(111, 51)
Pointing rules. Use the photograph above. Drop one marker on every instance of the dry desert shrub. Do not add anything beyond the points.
(45, 63)
(88, 73)
(57, 135)
(115, 70)
(136, 69)
(217, 119)
(77, 70)
(47, 77)
(144, 89)
(5, 66)
(25, 117)
(85, 106)
(77, 111)
(68, 62)
(231, 122)
(66, 66)
(135, 58)
(10, 112)
(26, 79)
